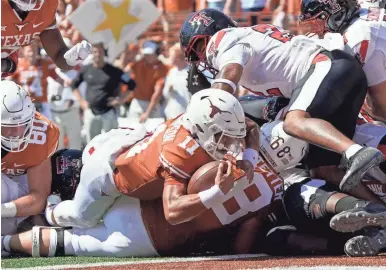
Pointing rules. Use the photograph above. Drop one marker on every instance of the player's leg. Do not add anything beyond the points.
(109, 120)
(122, 234)
(73, 128)
(316, 111)
(95, 194)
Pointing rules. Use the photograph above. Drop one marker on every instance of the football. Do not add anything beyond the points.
(203, 178)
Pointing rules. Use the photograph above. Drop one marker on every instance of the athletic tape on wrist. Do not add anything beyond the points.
(210, 196)
(8, 209)
(230, 83)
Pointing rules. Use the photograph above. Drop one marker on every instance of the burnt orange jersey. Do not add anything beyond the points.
(168, 156)
(33, 78)
(17, 33)
(243, 202)
(42, 144)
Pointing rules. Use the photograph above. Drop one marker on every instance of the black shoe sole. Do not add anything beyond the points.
(354, 178)
(361, 246)
(347, 221)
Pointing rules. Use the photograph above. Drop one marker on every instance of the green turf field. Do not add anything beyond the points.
(35, 262)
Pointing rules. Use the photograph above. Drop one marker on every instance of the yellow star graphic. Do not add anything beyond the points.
(116, 18)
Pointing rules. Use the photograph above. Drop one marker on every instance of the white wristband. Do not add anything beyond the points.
(252, 155)
(8, 209)
(230, 83)
(210, 196)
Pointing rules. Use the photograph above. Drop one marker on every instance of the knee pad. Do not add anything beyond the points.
(305, 202)
(56, 247)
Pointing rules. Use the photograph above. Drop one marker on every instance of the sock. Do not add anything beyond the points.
(68, 247)
(5, 240)
(352, 150)
(347, 203)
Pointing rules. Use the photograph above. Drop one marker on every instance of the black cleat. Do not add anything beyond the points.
(369, 244)
(358, 165)
(360, 217)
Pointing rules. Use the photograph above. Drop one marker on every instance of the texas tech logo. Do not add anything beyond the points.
(201, 18)
(62, 163)
(333, 4)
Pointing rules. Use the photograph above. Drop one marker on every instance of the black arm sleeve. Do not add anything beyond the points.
(79, 79)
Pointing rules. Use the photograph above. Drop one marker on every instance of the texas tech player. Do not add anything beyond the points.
(139, 228)
(325, 102)
(25, 21)
(28, 139)
(148, 166)
(364, 29)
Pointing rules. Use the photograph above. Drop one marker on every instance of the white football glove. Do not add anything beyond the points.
(79, 52)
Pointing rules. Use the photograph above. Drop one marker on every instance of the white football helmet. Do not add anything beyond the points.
(28, 5)
(216, 120)
(279, 149)
(17, 115)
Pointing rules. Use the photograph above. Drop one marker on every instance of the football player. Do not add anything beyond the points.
(131, 227)
(364, 30)
(28, 139)
(25, 21)
(313, 206)
(151, 166)
(325, 102)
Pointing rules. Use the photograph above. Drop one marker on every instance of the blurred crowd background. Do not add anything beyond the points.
(147, 82)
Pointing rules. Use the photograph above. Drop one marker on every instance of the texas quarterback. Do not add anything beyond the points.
(28, 139)
(133, 227)
(25, 21)
(152, 166)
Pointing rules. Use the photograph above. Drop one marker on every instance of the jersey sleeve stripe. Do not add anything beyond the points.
(219, 37)
(173, 168)
(363, 50)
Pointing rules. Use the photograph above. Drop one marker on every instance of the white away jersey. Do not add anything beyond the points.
(271, 57)
(367, 39)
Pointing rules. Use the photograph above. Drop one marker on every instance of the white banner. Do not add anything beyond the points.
(114, 22)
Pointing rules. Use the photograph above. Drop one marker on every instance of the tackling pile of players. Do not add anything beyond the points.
(303, 158)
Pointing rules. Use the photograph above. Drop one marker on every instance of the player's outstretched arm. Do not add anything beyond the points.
(64, 57)
(39, 183)
(180, 207)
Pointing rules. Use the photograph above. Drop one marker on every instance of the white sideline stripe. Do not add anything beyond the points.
(167, 260)
(322, 267)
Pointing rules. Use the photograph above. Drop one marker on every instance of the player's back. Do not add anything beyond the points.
(170, 150)
(274, 55)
